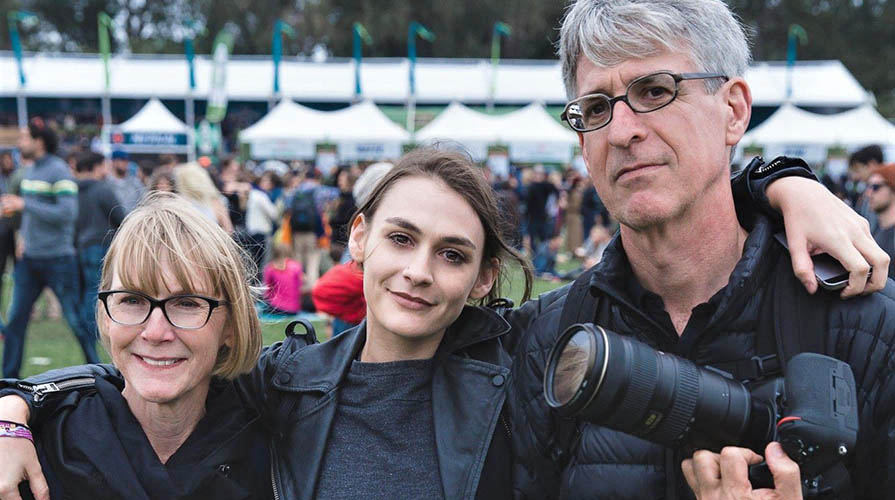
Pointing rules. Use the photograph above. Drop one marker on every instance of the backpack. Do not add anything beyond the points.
(303, 211)
(780, 337)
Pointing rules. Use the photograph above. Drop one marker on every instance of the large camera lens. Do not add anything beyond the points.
(623, 384)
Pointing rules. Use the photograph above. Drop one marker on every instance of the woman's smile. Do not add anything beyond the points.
(411, 302)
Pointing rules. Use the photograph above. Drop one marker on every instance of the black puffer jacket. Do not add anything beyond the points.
(608, 464)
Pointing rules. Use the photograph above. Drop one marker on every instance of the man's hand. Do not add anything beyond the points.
(20, 461)
(10, 204)
(725, 476)
(817, 221)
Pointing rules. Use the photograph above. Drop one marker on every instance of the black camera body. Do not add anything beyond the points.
(620, 383)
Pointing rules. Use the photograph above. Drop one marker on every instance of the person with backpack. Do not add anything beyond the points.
(306, 225)
(658, 105)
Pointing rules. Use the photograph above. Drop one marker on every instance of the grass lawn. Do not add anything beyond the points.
(50, 344)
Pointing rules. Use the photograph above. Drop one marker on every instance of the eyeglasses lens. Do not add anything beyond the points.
(183, 312)
(651, 92)
(645, 94)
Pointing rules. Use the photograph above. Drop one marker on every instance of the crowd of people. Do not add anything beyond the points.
(293, 222)
(437, 391)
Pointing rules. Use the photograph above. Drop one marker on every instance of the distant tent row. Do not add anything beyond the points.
(792, 131)
(292, 131)
(362, 132)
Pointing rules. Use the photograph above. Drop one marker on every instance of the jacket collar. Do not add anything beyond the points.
(759, 255)
(320, 367)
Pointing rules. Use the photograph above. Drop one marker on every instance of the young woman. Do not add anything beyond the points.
(412, 403)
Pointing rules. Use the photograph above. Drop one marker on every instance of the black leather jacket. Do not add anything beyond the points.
(603, 463)
(297, 388)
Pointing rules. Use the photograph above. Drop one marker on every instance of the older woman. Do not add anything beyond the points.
(177, 316)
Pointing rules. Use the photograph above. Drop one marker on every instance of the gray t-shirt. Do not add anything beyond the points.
(382, 442)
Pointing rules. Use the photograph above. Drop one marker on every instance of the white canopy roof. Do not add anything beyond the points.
(153, 117)
(531, 133)
(385, 80)
(793, 131)
(535, 136)
(365, 122)
(152, 130)
(363, 133)
(457, 123)
(290, 130)
(287, 120)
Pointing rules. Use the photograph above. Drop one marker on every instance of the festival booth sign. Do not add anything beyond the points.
(153, 130)
(792, 131)
(289, 131)
(471, 129)
(363, 133)
(534, 136)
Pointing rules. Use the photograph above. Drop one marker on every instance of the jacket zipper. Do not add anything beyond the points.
(273, 474)
(506, 427)
(40, 391)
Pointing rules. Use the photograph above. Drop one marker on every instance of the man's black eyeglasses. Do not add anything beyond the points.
(644, 94)
(127, 307)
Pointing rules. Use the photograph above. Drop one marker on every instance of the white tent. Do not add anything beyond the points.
(457, 123)
(154, 129)
(289, 131)
(795, 132)
(533, 135)
(363, 133)
(530, 133)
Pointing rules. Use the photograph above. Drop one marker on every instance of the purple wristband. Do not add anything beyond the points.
(12, 429)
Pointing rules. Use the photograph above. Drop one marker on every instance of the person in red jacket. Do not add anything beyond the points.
(340, 293)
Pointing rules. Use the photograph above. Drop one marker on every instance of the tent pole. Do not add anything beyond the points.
(190, 113)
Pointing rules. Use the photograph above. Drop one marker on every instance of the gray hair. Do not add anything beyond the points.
(610, 32)
(368, 179)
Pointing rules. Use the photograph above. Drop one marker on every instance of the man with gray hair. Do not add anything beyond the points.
(659, 103)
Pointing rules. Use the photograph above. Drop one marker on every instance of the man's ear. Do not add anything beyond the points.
(485, 281)
(739, 109)
(357, 238)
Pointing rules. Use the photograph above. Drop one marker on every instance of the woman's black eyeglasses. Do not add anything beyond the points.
(127, 307)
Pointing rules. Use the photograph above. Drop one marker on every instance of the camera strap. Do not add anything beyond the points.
(790, 322)
(798, 319)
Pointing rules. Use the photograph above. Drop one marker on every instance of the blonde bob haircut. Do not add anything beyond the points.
(165, 229)
(193, 182)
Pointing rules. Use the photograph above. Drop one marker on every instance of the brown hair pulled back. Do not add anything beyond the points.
(459, 173)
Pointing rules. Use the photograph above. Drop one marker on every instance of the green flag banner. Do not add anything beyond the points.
(217, 93)
(104, 23)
